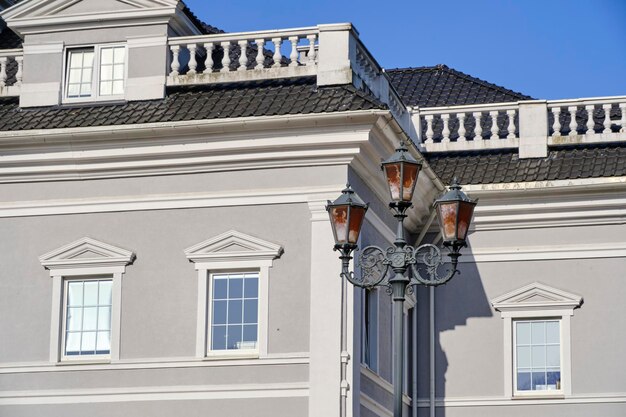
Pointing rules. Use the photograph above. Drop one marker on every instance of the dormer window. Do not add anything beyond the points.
(95, 73)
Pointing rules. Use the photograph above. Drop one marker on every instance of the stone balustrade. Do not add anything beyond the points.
(230, 57)
(512, 125)
(11, 71)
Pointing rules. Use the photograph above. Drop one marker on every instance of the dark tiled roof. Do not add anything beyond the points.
(9, 40)
(257, 98)
(505, 166)
(443, 86)
(204, 27)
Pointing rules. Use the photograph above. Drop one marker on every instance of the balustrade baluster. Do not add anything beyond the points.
(607, 118)
(226, 59)
(573, 124)
(495, 131)
(511, 126)
(20, 70)
(622, 108)
(209, 58)
(478, 129)
(260, 53)
(193, 64)
(556, 126)
(293, 56)
(446, 130)
(429, 128)
(590, 122)
(243, 56)
(277, 55)
(462, 131)
(311, 54)
(175, 65)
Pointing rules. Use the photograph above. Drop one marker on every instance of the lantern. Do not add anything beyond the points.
(454, 211)
(346, 217)
(401, 171)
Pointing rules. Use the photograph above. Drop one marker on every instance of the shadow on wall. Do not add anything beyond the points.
(461, 299)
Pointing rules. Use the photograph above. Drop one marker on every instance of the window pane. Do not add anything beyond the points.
(76, 59)
(91, 293)
(234, 336)
(72, 343)
(539, 381)
(106, 88)
(235, 312)
(219, 312)
(251, 288)
(90, 317)
(88, 60)
(538, 357)
(85, 90)
(554, 380)
(523, 381)
(106, 56)
(250, 334)
(88, 343)
(118, 72)
(119, 54)
(250, 312)
(538, 332)
(553, 332)
(75, 293)
(553, 356)
(523, 357)
(73, 90)
(106, 73)
(235, 288)
(104, 296)
(75, 75)
(218, 338)
(74, 318)
(104, 318)
(523, 333)
(103, 343)
(118, 87)
(220, 289)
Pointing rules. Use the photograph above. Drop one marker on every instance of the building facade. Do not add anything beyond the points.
(165, 248)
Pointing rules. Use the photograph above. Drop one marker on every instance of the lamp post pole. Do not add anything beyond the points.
(403, 265)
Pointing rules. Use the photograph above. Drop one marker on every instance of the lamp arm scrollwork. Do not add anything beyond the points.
(373, 266)
(426, 265)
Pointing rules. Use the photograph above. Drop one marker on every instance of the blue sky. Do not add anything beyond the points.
(544, 48)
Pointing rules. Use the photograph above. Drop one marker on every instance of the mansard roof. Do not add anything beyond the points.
(213, 101)
(505, 166)
(443, 86)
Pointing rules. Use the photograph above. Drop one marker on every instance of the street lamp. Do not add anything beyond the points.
(454, 211)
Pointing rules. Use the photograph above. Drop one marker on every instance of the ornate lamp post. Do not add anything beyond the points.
(426, 264)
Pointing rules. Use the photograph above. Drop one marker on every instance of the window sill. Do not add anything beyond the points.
(539, 396)
(214, 356)
(94, 361)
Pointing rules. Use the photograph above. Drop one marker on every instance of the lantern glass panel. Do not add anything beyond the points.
(465, 217)
(339, 221)
(409, 181)
(392, 172)
(447, 220)
(356, 220)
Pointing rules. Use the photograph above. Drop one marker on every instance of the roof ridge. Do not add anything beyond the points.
(479, 80)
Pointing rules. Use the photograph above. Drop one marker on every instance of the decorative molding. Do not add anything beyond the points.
(233, 246)
(604, 398)
(43, 48)
(158, 393)
(383, 383)
(374, 406)
(542, 253)
(536, 296)
(297, 358)
(86, 253)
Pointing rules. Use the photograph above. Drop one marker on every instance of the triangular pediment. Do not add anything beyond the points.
(233, 245)
(86, 252)
(38, 16)
(536, 295)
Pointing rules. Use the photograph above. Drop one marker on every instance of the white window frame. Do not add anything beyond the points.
(95, 74)
(83, 259)
(246, 253)
(536, 301)
(364, 295)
